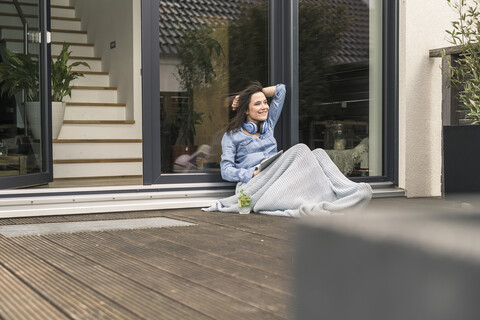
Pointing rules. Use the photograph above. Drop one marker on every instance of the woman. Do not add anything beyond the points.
(300, 182)
(249, 138)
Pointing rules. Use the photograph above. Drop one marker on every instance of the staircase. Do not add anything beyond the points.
(97, 139)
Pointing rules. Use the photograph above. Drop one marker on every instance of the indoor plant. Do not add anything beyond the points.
(62, 76)
(195, 71)
(21, 72)
(460, 142)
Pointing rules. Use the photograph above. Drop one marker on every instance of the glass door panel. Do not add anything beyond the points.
(22, 100)
(208, 51)
(340, 82)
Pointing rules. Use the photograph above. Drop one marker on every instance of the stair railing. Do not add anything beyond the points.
(25, 26)
(25, 51)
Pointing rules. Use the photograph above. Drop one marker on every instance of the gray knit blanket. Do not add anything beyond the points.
(300, 183)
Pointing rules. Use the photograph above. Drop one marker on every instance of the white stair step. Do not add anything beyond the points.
(94, 63)
(94, 113)
(63, 36)
(106, 96)
(92, 79)
(59, 23)
(77, 49)
(10, 8)
(17, 46)
(60, 2)
(15, 32)
(96, 150)
(7, 19)
(100, 169)
(98, 131)
(11, 32)
(62, 11)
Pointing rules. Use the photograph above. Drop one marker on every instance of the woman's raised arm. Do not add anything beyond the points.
(269, 91)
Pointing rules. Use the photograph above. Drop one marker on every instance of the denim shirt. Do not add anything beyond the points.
(242, 152)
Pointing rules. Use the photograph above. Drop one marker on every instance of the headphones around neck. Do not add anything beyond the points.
(252, 128)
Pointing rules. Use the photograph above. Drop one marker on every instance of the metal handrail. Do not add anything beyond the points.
(25, 51)
(25, 26)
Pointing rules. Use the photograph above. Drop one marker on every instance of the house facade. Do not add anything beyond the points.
(142, 127)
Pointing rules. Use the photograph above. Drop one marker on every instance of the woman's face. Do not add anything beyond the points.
(257, 108)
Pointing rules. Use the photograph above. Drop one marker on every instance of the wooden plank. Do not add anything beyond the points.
(225, 284)
(97, 140)
(79, 58)
(92, 88)
(197, 297)
(78, 44)
(437, 53)
(101, 73)
(273, 227)
(89, 104)
(98, 121)
(69, 31)
(96, 160)
(447, 116)
(237, 227)
(221, 248)
(66, 294)
(17, 221)
(129, 294)
(19, 301)
(264, 279)
(65, 18)
(61, 7)
(275, 248)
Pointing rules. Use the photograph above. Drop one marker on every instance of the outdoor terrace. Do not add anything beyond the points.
(225, 266)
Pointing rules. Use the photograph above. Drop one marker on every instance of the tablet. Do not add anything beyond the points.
(265, 163)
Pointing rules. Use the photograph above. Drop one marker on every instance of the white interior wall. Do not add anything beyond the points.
(169, 78)
(422, 27)
(119, 21)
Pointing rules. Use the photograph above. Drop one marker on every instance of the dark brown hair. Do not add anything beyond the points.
(242, 105)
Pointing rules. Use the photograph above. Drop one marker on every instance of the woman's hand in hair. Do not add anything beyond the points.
(235, 103)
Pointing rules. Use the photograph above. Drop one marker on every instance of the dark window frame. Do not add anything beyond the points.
(32, 179)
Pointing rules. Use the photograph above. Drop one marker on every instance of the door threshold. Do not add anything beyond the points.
(129, 198)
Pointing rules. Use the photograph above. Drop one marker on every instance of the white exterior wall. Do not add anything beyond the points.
(422, 27)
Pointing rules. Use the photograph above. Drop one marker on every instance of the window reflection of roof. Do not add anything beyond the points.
(181, 15)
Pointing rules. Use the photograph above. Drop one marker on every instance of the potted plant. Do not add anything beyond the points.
(62, 76)
(21, 72)
(244, 202)
(460, 142)
(195, 71)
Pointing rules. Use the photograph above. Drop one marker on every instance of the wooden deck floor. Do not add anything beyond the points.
(227, 266)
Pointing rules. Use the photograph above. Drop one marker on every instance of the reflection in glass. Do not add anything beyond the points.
(208, 51)
(339, 87)
(20, 113)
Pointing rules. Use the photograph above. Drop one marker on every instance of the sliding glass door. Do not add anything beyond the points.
(24, 100)
(340, 82)
(338, 59)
